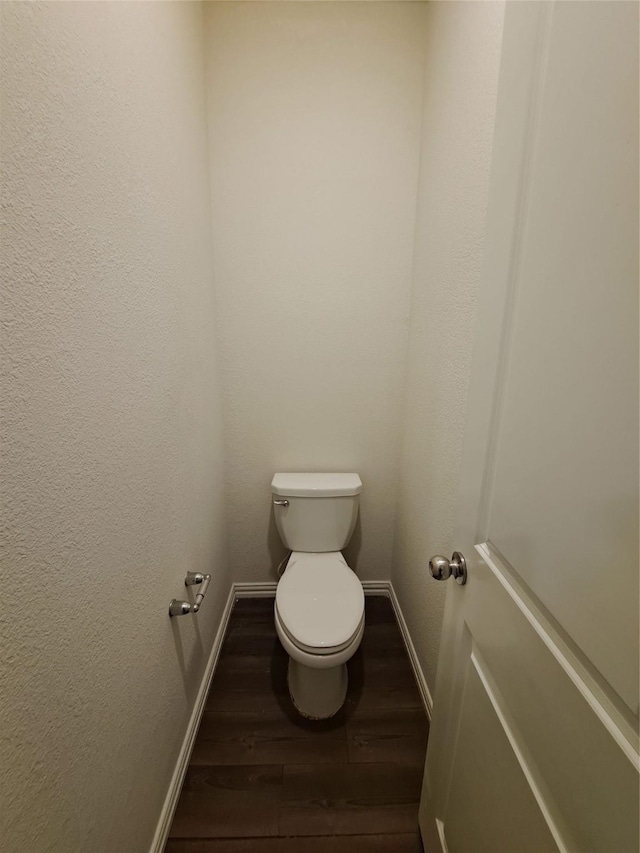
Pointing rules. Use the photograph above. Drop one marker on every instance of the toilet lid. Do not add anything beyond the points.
(320, 600)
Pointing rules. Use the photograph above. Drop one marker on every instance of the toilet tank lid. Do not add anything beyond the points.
(316, 485)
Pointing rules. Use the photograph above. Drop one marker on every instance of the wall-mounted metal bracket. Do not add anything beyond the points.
(181, 608)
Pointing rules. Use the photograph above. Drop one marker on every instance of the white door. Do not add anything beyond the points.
(534, 741)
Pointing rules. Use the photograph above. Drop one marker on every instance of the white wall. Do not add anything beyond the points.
(463, 53)
(314, 131)
(111, 435)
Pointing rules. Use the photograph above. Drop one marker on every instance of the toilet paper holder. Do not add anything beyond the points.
(181, 608)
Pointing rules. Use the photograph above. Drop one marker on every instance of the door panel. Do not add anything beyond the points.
(572, 740)
(493, 799)
(534, 738)
(564, 509)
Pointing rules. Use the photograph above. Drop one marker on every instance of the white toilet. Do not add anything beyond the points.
(319, 609)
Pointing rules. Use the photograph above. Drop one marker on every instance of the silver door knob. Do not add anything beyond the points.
(442, 569)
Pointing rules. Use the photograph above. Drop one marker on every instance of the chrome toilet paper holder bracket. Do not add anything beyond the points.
(181, 608)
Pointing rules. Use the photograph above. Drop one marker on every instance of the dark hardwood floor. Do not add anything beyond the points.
(264, 780)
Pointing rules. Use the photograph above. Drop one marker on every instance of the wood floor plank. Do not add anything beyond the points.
(349, 799)
(388, 735)
(396, 843)
(382, 639)
(252, 609)
(269, 737)
(381, 682)
(219, 802)
(253, 641)
(249, 683)
(378, 610)
(251, 629)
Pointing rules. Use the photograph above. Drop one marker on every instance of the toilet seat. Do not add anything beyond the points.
(318, 650)
(320, 602)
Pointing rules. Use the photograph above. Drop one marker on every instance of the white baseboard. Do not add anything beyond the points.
(255, 590)
(377, 588)
(175, 786)
(262, 590)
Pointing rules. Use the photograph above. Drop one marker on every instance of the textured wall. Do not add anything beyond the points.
(314, 132)
(463, 53)
(111, 442)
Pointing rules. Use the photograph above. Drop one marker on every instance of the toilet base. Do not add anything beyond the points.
(317, 693)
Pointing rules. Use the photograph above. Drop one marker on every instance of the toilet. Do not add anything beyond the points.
(319, 607)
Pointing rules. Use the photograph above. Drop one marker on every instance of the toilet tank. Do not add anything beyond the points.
(316, 512)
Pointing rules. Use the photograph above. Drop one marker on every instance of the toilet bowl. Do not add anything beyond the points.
(319, 606)
(319, 618)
